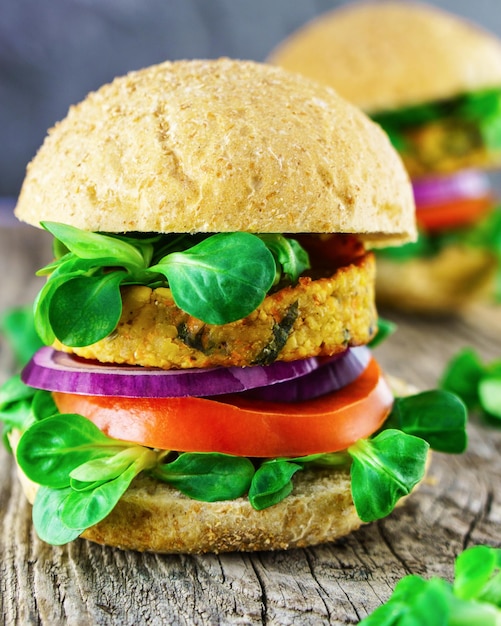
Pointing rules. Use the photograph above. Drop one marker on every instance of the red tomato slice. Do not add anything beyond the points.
(460, 212)
(239, 426)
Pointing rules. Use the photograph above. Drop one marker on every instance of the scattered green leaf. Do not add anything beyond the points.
(489, 394)
(15, 406)
(474, 599)
(385, 328)
(477, 383)
(18, 326)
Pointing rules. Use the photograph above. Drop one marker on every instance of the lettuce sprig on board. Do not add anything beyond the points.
(477, 383)
(18, 327)
(472, 599)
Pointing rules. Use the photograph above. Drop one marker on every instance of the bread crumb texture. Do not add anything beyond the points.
(386, 55)
(218, 146)
(152, 516)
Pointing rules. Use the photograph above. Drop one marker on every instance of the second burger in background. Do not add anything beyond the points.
(433, 82)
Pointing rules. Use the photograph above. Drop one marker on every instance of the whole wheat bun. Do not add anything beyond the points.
(386, 55)
(155, 517)
(218, 146)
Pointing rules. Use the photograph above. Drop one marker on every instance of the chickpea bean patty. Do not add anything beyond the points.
(313, 318)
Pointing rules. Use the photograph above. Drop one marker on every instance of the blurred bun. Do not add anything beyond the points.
(387, 55)
(442, 284)
(217, 146)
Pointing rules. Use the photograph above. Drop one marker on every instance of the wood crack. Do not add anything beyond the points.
(262, 587)
(389, 544)
(482, 514)
(322, 592)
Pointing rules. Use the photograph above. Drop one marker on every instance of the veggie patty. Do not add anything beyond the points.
(312, 318)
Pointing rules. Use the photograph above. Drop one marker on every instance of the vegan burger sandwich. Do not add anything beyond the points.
(206, 383)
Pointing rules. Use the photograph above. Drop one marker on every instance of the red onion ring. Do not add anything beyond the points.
(333, 375)
(435, 190)
(52, 370)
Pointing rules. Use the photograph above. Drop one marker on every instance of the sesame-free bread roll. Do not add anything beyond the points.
(218, 146)
(387, 55)
(155, 517)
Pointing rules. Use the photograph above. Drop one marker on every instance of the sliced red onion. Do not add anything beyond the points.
(52, 370)
(331, 376)
(442, 189)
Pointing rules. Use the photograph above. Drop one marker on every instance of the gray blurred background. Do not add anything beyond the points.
(53, 52)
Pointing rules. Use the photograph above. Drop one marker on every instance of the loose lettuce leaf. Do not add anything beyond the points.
(476, 382)
(474, 598)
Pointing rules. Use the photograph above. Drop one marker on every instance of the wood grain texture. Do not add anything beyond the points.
(458, 505)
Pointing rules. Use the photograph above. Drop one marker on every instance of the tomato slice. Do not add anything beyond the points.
(453, 214)
(239, 426)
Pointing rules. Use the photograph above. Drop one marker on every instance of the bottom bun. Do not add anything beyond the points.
(153, 516)
(452, 279)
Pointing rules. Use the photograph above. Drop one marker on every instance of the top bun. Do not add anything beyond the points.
(218, 146)
(386, 55)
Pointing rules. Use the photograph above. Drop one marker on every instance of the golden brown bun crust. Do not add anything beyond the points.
(320, 509)
(218, 146)
(155, 517)
(444, 283)
(385, 55)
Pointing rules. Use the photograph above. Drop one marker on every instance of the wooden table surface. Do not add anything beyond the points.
(83, 583)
